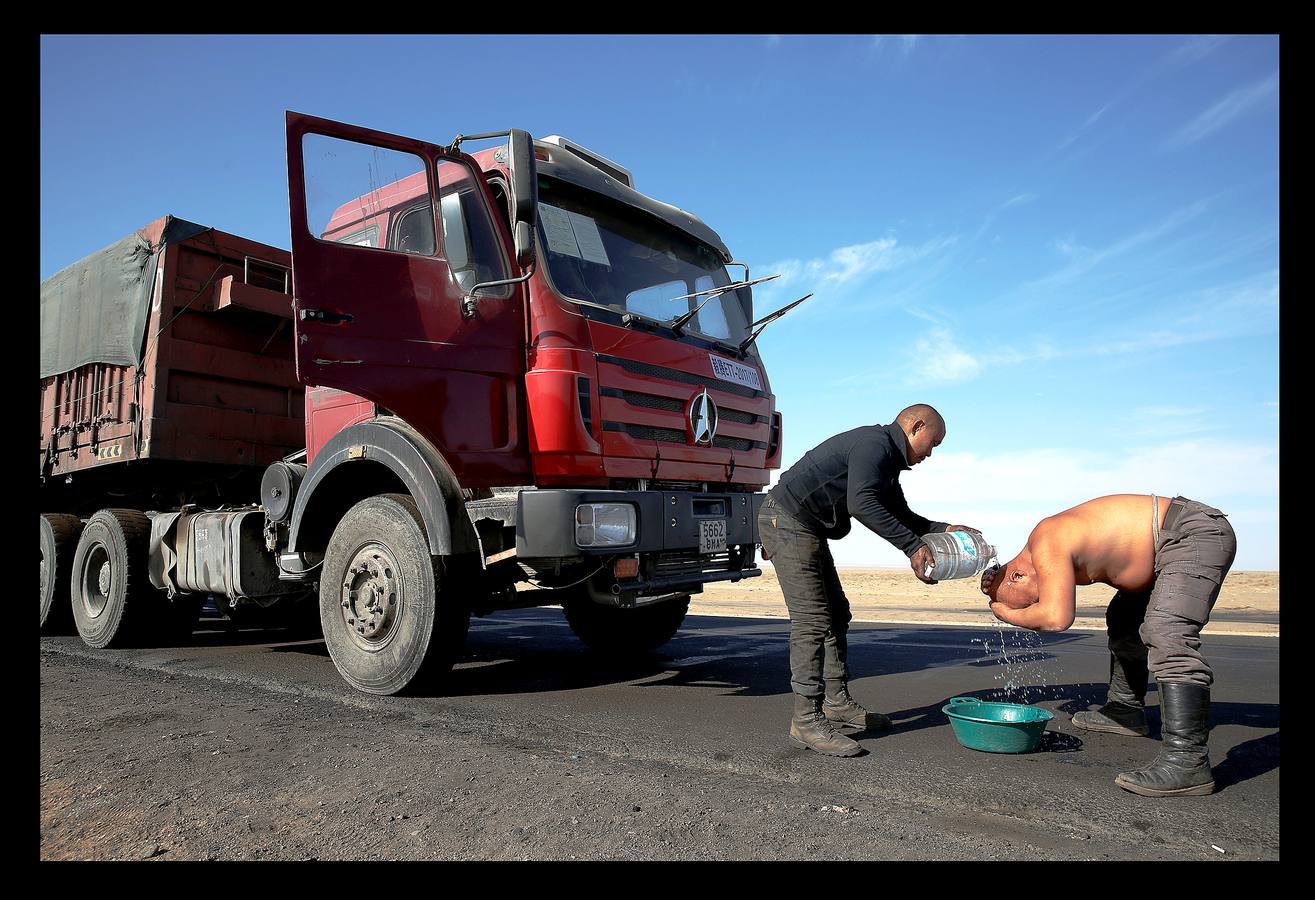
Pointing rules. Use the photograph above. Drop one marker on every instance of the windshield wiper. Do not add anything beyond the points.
(767, 320)
(678, 323)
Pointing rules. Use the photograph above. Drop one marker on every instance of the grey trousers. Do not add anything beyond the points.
(1159, 631)
(819, 609)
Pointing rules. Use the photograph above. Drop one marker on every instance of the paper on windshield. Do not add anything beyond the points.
(556, 225)
(590, 241)
(573, 234)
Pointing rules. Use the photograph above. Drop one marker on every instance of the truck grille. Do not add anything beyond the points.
(675, 404)
(653, 401)
(639, 368)
(734, 443)
(673, 436)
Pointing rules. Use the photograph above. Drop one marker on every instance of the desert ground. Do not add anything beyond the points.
(1248, 601)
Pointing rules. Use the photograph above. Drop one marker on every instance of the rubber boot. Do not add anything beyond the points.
(843, 711)
(1183, 767)
(809, 728)
(1124, 711)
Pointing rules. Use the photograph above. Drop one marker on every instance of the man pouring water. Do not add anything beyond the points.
(852, 474)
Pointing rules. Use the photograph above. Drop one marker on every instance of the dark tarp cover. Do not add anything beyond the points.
(96, 309)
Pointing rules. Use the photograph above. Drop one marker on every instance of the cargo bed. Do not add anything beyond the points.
(214, 382)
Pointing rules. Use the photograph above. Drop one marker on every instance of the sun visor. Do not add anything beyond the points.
(569, 167)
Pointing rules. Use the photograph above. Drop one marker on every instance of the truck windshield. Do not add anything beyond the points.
(609, 254)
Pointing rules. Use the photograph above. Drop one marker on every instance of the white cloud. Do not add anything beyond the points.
(1095, 117)
(906, 41)
(1068, 246)
(940, 360)
(1007, 494)
(1221, 312)
(852, 263)
(772, 41)
(1165, 421)
(1086, 260)
(1090, 121)
(1196, 49)
(1225, 111)
(1184, 55)
(1052, 477)
(848, 263)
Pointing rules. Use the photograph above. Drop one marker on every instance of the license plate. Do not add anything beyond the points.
(712, 536)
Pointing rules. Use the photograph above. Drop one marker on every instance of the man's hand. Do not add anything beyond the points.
(976, 531)
(1000, 611)
(989, 578)
(921, 562)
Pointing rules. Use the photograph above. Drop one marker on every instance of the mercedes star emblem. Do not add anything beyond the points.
(703, 418)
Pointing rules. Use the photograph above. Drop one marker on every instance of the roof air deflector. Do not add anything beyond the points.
(602, 163)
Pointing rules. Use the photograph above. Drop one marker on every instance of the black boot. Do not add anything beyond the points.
(843, 711)
(809, 728)
(1183, 766)
(1124, 711)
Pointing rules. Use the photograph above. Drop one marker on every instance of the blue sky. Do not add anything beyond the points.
(1067, 245)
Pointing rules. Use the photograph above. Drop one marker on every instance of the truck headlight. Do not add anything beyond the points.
(604, 524)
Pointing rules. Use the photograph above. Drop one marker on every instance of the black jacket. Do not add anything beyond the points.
(855, 474)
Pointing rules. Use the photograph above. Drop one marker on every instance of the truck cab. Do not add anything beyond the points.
(526, 383)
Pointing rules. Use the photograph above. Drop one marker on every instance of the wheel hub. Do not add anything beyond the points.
(97, 580)
(371, 596)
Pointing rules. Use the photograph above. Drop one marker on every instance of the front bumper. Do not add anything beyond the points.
(667, 522)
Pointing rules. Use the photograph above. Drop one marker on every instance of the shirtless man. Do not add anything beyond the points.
(1167, 560)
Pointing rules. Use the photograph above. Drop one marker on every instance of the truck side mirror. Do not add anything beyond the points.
(524, 184)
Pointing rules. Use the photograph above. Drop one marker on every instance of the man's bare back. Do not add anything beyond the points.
(1107, 540)
(1110, 539)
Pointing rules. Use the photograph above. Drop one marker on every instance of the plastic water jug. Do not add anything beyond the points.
(958, 554)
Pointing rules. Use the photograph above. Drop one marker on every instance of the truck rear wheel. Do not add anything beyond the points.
(387, 619)
(112, 597)
(59, 540)
(615, 631)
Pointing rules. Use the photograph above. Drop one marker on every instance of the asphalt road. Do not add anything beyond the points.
(245, 745)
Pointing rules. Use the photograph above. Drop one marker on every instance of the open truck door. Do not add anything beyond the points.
(389, 236)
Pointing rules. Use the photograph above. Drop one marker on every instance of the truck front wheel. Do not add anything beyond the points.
(387, 620)
(59, 539)
(624, 632)
(113, 599)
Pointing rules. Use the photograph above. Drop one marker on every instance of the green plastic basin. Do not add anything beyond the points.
(996, 727)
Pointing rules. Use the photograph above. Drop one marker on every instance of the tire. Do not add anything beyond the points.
(59, 541)
(620, 632)
(114, 603)
(387, 619)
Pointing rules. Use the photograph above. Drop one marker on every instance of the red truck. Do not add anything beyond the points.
(478, 382)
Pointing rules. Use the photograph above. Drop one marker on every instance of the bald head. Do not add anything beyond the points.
(924, 428)
(919, 412)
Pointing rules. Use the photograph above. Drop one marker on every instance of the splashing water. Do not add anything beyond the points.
(1023, 668)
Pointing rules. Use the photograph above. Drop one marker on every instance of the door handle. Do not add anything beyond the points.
(326, 316)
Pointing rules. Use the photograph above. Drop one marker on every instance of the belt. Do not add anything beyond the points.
(1175, 508)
